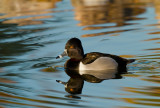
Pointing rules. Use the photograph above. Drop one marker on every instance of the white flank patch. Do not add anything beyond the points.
(102, 63)
(102, 68)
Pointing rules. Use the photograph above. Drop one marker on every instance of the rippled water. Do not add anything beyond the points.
(34, 32)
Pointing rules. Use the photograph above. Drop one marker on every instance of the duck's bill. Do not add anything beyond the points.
(62, 55)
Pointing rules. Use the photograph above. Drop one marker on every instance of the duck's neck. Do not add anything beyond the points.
(72, 64)
(77, 58)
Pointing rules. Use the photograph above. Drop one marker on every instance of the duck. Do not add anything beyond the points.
(96, 61)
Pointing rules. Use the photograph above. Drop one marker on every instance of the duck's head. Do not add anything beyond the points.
(73, 86)
(73, 49)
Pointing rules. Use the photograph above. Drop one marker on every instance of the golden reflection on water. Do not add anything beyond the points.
(152, 39)
(156, 50)
(105, 33)
(128, 56)
(4, 80)
(156, 4)
(105, 11)
(110, 11)
(18, 6)
(151, 91)
(116, 11)
(153, 78)
(30, 9)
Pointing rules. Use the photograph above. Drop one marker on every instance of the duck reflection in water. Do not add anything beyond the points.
(75, 84)
(92, 67)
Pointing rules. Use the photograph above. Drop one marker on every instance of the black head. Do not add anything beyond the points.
(73, 49)
(74, 85)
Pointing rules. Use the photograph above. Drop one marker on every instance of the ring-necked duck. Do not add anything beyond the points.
(91, 61)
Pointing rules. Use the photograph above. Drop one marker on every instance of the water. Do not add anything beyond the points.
(34, 32)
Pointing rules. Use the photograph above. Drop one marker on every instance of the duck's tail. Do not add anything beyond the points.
(130, 60)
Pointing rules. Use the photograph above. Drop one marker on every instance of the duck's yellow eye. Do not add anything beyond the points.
(71, 47)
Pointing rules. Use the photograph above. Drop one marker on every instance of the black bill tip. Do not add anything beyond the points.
(57, 57)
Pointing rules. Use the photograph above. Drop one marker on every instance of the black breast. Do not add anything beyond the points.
(72, 64)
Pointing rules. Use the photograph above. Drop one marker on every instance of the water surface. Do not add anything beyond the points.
(34, 32)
